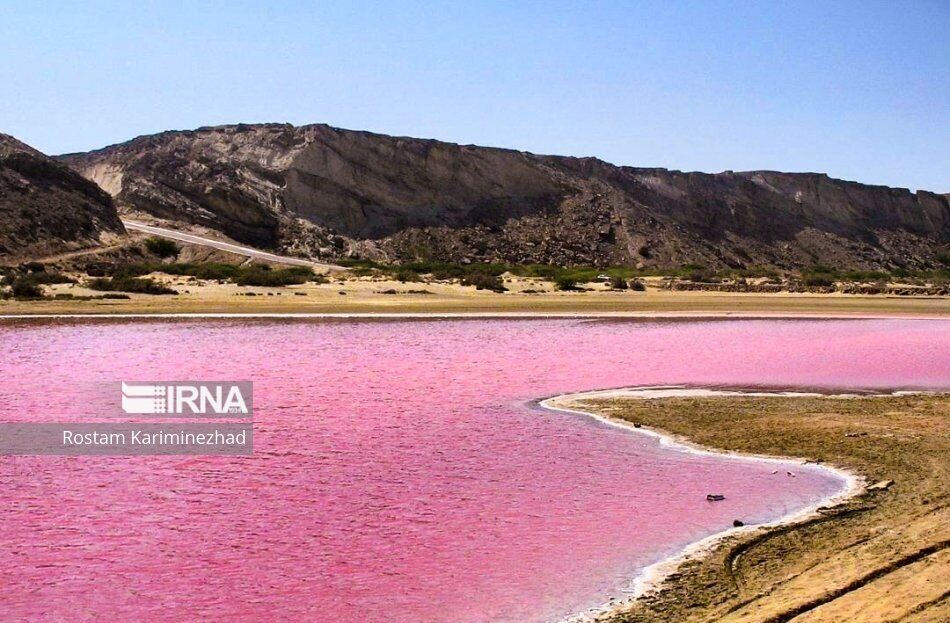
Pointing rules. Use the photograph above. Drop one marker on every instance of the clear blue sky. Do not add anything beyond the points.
(860, 90)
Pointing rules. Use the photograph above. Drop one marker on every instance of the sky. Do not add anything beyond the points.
(859, 90)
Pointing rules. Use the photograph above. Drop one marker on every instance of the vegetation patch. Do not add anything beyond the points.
(251, 275)
(484, 281)
(162, 247)
(27, 285)
(565, 283)
(135, 285)
(818, 280)
(24, 288)
(570, 277)
(618, 283)
(273, 277)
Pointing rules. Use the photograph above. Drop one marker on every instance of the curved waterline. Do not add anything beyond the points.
(650, 577)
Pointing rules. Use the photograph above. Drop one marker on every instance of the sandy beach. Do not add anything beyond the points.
(379, 296)
(651, 578)
(872, 554)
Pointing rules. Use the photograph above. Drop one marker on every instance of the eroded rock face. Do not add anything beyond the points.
(46, 207)
(372, 186)
(228, 179)
(328, 191)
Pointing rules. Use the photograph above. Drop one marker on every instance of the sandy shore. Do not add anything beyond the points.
(652, 577)
(862, 557)
(359, 296)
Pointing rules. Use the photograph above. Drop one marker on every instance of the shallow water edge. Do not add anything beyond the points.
(651, 577)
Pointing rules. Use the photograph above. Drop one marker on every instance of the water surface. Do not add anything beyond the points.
(402, 472)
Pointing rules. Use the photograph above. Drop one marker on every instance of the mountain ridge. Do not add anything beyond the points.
(72, 155)
(46, 207)
(331, 192)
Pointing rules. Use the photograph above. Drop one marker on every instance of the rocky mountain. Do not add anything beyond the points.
(331, 192)
(46, 207)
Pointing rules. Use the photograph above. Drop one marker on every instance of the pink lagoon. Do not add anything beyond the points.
(403, 470)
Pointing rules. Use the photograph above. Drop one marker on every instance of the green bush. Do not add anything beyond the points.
(439, 270)
(253, 275)
(358, 263)
(45, 277)
(537, 271)
(816, 280)
(26, 288)
(565, 283)
(211, 271)
(162, 247)
(407, 275)
(484, 281)
(127, 270)
(618, 283)
(701, 275)
(272, 278)
(128, 284)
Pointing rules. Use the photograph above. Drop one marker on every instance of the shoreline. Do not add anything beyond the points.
(651, 577)
(384, 297)
(580, 315)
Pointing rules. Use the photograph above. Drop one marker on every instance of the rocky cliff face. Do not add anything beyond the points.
(46, 207)
(331, 191)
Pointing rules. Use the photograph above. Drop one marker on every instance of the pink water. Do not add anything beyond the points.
(401, 472)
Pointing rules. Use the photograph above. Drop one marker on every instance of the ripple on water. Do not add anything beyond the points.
(401, 472)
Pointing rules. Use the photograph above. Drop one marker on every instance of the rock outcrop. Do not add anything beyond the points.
(46, 207)
(329, 192)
